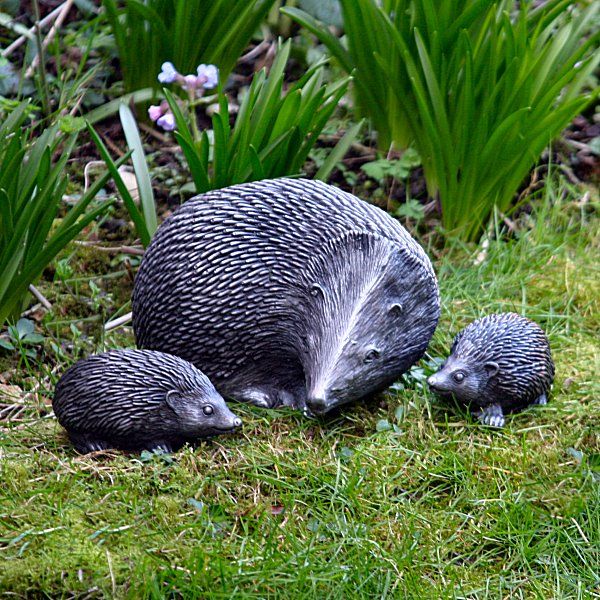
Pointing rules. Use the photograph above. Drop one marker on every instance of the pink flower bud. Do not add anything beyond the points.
(155, 112)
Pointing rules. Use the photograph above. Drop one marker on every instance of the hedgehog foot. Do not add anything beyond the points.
(85, 444)
(541, 400)
(491, 415)
(162, 445)
(257, 396)
(268, 398)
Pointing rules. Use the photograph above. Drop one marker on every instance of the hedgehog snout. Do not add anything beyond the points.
(437, 383)
(227, 419)
(317, 404)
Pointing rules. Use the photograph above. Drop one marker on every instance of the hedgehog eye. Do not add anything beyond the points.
(372, 355)
(396, 309)
(459, 376)
(317, 290)
(208, 410)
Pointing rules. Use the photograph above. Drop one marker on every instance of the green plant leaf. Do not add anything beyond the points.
(150, 32)
(273, 131)
(138, 157)
(23, 328)
(336, 155)
(32, 184)
(6, 344)
(134, 213)
(477, 88)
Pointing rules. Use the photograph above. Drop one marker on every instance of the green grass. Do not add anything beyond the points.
(436, 507)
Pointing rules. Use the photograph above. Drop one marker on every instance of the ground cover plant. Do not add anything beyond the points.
(396, 498)
(399, 496)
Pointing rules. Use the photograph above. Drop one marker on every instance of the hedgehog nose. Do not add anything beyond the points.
(433, 382)
(237, 422)
(317, 404)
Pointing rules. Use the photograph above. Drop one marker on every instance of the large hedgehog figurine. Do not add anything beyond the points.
(287, 292)
(138, 399)
(498, 364)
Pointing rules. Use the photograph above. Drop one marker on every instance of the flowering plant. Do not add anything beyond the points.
(207, 77)
(273, 131)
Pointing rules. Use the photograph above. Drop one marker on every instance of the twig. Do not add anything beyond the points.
(62, 15)
(430, 207)
(570, 174)
(11, 411)
(135, 250)
(23, 38)
(577, 145)
(117, 322)
(40, 297)
(256, 51)
(32, 310)
(36, 388)
(41, 62)
(482, 254)
(356, 146)
(112, 575)
(512, 227)
(156, 134)
(76, 106)
(112, 145)
(91, 165)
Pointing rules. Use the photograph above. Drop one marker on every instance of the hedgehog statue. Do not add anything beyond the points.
(287, 292)
(138, 399)
(500, 363)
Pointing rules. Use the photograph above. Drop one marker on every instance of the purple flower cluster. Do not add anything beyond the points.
(207, 78)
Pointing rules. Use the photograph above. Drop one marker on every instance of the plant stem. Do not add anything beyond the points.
(193, 119)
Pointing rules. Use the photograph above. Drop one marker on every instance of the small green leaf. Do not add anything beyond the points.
(6, 344)
(33, 338)
(197, 504)
(327, 11)
(412, 209)
(383, 425)
(71, 124)
(399, 413)
(24, 327)
(594, 145)
(410, 158)
(313, 525)
(382, 168)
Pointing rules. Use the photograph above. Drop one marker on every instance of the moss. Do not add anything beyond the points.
(436, 507)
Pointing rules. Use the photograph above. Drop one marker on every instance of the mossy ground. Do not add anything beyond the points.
(401, 497)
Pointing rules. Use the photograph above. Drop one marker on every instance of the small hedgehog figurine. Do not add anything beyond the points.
(499, 363)
(138, 399)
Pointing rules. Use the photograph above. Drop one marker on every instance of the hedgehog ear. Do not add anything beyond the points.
(171, 399)
(491, 368)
